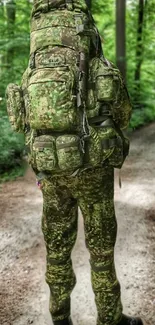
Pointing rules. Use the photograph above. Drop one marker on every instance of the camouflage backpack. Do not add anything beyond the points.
(62, 89)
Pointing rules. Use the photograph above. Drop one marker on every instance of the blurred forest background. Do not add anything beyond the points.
(127, 31)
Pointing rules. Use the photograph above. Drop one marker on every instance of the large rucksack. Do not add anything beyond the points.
(62, 90)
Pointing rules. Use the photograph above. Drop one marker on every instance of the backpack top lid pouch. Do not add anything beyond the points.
(56, 98)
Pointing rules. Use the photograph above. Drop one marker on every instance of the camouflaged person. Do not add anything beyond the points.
(72, 107)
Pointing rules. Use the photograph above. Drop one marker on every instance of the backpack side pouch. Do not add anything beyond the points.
(121, 150)
(103, 81)
(122, 108)
(99, 135)
(106, 87)
(107, 145)
(15, 107)
(106, 84)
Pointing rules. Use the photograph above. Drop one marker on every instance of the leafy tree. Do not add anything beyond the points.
(141, 61)
(14, 54)
(104, 15)
(10, 17)
(139, 45)
(89, 3)
(121, 36)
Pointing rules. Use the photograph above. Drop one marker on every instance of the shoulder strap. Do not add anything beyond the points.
(96, 39)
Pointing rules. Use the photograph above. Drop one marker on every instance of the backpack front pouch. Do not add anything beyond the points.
(52, 100)
(15, 107)
(60, 153)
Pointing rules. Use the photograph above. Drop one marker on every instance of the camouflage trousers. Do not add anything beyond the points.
(92, 191)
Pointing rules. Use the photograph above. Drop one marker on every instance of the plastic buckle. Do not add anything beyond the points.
(69, 4)
(79, 23)
(37, 14)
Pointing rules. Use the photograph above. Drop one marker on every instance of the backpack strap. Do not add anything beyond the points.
(81, 105)
(110, 143)
(96, 40)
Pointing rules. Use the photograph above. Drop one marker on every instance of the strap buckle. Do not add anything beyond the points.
(79, 23)
(69, 4)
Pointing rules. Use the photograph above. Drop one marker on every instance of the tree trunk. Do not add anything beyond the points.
(2, 56)
(121, 36)
(11, 16)
(88, 4)
(139, 48)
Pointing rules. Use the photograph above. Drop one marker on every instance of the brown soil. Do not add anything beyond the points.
(23, 292)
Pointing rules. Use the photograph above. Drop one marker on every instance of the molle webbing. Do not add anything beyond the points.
(110, 143)
(49, 132)
(67, 145)
(42, 145)
(47, 5)
(58, 39)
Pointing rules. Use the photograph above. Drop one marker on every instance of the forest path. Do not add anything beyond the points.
(23, 292)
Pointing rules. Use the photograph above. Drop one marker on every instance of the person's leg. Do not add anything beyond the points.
(59, 226)
(97, 205)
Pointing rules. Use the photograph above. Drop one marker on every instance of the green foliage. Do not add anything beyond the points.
(11, 145)
(142, 117)
(104, 15)
(14, 55)
(13, 173)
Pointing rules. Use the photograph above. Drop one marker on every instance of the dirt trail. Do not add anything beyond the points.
(23, 292)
